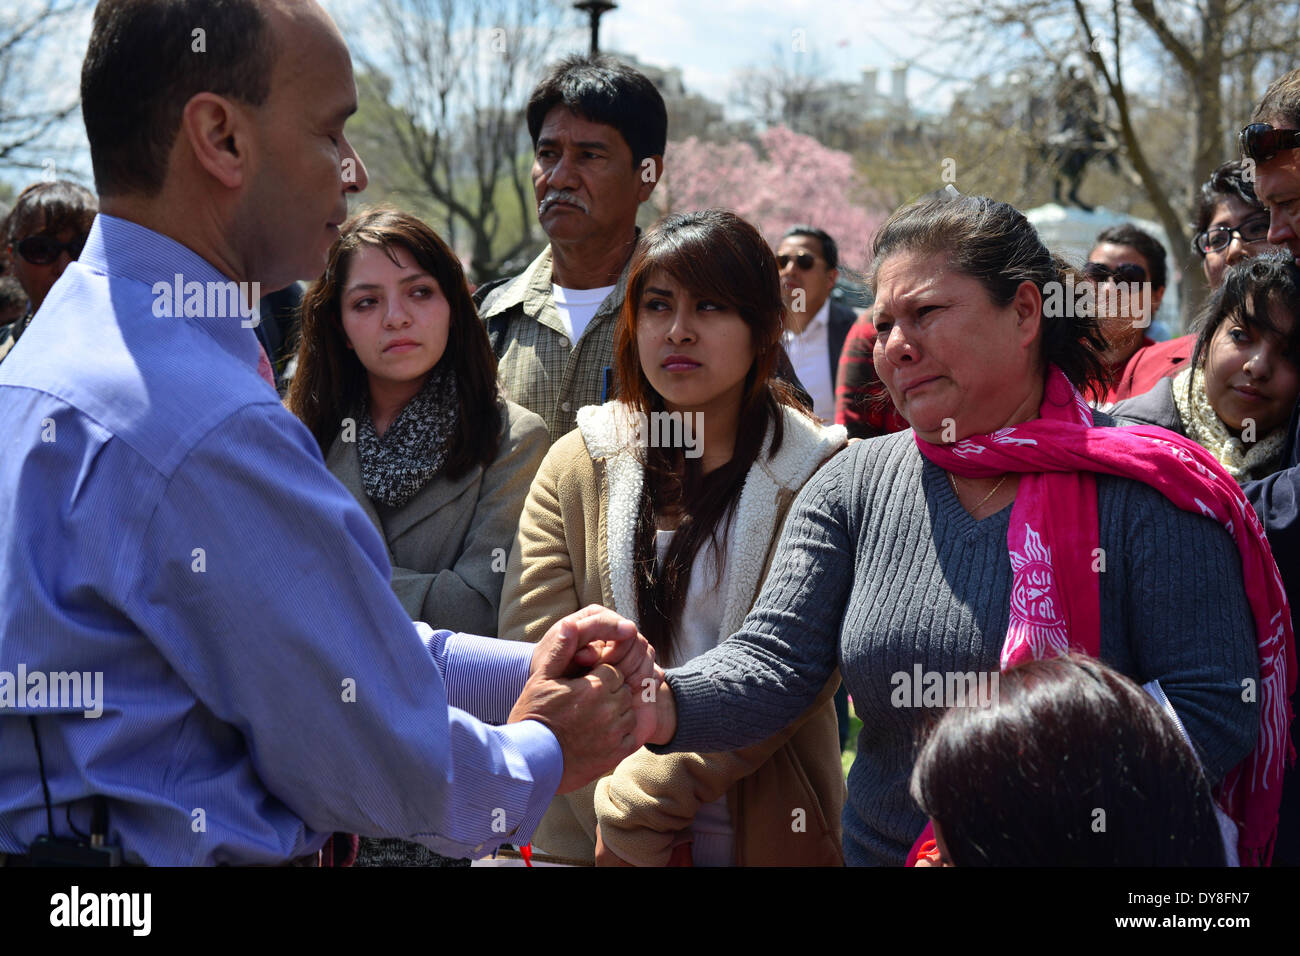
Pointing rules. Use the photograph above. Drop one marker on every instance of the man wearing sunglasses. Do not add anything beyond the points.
(816, 325)
(1127, 266)
(44, 232)
(1272, 142)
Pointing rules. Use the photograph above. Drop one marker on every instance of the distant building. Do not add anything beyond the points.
(689, 114)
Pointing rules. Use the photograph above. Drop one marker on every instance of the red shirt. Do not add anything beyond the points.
(861, 401)
(1149, 364)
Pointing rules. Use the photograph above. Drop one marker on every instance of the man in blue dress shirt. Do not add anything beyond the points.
(170, 529)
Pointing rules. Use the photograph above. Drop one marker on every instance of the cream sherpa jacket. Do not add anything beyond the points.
(574, 548)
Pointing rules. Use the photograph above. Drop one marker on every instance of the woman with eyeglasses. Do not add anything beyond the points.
(1236, 396)
(43, 233)
(1231, 223)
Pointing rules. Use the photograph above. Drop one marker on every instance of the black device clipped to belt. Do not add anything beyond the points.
(81, 850)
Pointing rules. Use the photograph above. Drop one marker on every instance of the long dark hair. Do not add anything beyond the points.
(1248, 290)
(331, 381)
(994, 243)
(717, 254)
(1072, 765)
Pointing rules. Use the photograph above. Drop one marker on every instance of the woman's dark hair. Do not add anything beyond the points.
(603, 90)
(717, 254)
(1227, 182)
(994, 243)
(1073, 764)
(1127, 234)
(331, 381)
(1249, 291)
(50, 207)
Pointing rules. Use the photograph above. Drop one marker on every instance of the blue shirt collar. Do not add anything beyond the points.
(127, 250)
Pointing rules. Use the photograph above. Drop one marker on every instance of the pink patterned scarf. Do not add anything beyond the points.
(1054, 546)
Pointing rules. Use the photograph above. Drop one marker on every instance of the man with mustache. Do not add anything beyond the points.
(598, 128)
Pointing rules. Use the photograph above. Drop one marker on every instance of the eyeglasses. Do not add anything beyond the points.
(804, 260)
(1262, 142)
(42, 250)
(1220, 237)
(1101, 273)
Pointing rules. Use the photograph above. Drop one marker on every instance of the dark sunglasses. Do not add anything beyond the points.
(1220, 237)
(42, 250)
(1262, 142)
(1100, 273)
(804, 260)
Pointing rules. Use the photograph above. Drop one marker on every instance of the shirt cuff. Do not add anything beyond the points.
(534, 741)
(482, 675)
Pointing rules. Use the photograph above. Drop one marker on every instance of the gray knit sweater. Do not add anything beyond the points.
(879, 568)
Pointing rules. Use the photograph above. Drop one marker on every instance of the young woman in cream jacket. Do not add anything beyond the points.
(666, 505)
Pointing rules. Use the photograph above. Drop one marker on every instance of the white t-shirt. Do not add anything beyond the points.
(697, 631)
(810, 353)
(577, 307)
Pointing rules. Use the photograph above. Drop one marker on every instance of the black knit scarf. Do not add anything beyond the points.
(414, 449)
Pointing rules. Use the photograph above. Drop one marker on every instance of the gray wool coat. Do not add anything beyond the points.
(449, 543)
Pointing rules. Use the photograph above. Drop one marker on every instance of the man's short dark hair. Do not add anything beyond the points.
(830, 251)
(1281, 101)
(145, 61)
(604, 90)
(1145, 243)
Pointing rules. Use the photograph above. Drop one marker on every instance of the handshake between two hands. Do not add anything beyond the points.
(595, 684)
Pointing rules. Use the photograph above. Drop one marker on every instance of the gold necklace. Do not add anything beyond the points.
(953, 481)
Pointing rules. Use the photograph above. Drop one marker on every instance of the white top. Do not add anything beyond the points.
(810, 352)
(577, 307)
(697, 632)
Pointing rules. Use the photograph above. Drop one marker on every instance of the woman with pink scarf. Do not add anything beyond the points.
(1011, 523)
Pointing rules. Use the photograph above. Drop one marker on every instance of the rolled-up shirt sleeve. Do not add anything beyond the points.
(265, 586)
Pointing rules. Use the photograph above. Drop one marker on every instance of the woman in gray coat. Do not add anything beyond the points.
(398, 384)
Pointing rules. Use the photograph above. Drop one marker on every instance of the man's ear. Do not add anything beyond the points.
(216, 132)
(650, 169)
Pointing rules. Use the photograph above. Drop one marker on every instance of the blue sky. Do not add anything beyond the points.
(709, 40)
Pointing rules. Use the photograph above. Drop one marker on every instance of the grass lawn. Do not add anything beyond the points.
(851, 749)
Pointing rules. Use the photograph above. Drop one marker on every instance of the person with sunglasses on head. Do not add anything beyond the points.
(1271, 143)
(1125, 265)
(816, 325)
(43, 233)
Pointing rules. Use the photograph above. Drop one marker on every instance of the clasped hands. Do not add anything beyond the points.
(595, 684)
